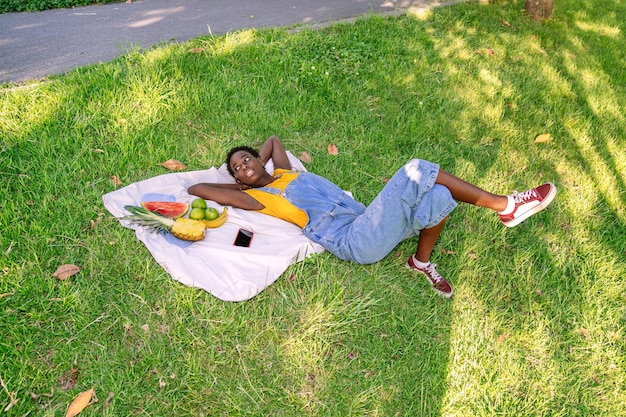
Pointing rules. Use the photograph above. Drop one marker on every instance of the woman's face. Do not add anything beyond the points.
(247, 169)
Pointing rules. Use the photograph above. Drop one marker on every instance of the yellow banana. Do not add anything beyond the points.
(217, 222)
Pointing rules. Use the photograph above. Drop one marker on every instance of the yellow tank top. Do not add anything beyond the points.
(271, 196)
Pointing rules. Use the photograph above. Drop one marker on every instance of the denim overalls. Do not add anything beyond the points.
(409, 202)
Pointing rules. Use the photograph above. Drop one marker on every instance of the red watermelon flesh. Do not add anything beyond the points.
(169, 209)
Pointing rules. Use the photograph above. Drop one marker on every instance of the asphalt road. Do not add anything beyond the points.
(35, 45)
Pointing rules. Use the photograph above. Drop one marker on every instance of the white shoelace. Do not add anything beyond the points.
(522, 197)
(433, 273)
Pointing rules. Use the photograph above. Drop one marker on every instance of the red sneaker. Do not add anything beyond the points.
(439, 284)
(528, 203)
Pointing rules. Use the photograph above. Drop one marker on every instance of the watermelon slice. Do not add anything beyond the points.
(166, 208)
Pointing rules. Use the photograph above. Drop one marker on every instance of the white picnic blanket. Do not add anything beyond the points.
(230, 273)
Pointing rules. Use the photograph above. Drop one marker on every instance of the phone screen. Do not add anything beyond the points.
(244, 238)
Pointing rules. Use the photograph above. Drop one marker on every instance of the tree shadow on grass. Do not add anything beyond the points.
(551, 275)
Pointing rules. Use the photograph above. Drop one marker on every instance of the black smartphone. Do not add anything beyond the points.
(244, 238)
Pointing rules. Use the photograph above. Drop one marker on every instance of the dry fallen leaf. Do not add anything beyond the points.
(196, 50)
(543, 138)
(501, 339)
(80, 402)
(173, 164)
(472, 255)
(305, 157)
(107, 402)
(68, 380)
(332, 149)
(66, 271)
(585, 332)
(116, 181)
(448, 252)
(36, 396)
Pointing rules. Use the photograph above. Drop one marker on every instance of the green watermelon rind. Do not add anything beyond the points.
(173, 210)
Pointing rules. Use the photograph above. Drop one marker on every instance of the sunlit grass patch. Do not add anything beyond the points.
(228, 43)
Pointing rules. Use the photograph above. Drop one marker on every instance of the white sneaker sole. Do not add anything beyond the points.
(546, 201)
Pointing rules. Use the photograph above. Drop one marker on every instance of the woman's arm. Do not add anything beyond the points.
(225, 194)
(274, 149)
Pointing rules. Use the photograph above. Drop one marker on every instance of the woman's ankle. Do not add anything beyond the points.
(418, 263)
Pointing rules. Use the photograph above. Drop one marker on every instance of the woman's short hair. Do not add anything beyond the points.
(248, 149)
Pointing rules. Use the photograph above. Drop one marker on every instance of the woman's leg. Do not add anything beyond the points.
(426, 241)
(512, 209)
(462, 190)
(420, 262)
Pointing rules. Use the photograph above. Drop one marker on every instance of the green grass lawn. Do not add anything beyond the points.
(536, 325)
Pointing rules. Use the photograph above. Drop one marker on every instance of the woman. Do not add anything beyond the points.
(415, 202)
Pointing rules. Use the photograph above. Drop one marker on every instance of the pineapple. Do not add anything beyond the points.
(182, 228)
